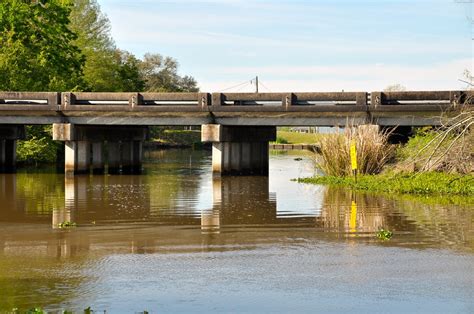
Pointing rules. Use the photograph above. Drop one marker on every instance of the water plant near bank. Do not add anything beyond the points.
(384, 234)
(426, 183)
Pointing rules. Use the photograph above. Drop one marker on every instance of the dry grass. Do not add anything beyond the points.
(373, 151)
(449, 149)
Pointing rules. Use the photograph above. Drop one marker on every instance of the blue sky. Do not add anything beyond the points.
(303, 45)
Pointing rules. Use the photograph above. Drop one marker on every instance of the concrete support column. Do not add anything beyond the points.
(2, 155)
(82, 140)
(98, 157)
(238, 150)
(9, 134)
(127, 157)
(113, 159)
(10, 155)
(137, 156)
(78, 158)
(83, 156)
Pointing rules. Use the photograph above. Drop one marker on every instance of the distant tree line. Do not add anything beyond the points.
(65, 45)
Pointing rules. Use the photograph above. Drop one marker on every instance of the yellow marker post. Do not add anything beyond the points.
(353, 217)
(353, 152)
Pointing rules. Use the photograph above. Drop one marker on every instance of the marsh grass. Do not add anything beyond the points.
(373, 151)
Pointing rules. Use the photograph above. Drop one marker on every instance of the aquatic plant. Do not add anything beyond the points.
(425, 183)
(67, 224)
(383, 234)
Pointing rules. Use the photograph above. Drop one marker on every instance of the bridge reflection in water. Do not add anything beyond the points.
(122, 212)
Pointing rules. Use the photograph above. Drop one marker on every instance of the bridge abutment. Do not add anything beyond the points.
(238, 150)
(85, 148)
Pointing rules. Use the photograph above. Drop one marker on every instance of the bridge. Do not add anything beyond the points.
(106, 130)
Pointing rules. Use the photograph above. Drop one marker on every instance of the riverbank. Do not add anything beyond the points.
(426, 183)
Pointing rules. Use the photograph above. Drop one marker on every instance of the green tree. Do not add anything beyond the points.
(107, 69)
(161, 75)
(36, 47)
(93, 37)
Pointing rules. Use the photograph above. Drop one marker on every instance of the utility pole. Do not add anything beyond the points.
(256, 84)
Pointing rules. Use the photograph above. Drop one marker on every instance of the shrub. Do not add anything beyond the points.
(38, 147)
(373, 151)
(449, 148)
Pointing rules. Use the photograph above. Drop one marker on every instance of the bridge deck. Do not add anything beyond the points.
(272, 109)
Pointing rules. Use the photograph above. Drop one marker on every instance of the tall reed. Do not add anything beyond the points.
(373, 151)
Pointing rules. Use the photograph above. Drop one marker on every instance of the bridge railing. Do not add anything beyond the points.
(134, 101)
(417, 100)
(337, 101)
(403, 101)
(19, 101)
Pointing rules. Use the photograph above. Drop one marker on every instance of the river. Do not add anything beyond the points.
(175, 239)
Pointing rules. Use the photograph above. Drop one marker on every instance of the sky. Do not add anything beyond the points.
(303, 45)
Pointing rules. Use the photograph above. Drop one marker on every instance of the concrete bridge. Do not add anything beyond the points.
(106, 130)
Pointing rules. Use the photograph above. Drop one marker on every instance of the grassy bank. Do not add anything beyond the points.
(287, 137)
(170, 137)
(426, 183)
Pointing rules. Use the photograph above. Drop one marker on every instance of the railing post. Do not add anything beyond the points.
(455, 97)
(67, 99)
(376, 99)
(288, 100)
(134, 100)
(54, 101)
(361, 99)
(204, 99)
(217, 99)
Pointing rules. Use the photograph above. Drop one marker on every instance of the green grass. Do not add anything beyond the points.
(178, 137)
(427, 183)
(287, 137)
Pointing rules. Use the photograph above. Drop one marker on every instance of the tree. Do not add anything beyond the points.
(160, 75)
(93, 37)
(37, 52)
(129, 78)
(395, 88)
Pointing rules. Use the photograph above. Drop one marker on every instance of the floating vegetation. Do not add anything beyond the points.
(67, 224)
(383, 234)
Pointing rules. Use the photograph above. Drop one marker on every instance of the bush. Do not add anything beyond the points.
(448, 149)
(281, 140)
(38, 147)
(373, 151)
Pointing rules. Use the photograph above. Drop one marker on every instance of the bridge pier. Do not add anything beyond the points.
(85, 147)
(238, 150)
(9, 134)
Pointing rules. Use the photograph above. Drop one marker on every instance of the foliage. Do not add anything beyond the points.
(38, 146)
(449, 149)
(395, 88)
(426, 183)
(161, 75)
(383, 234)
(36, 47)
(373, 151)
(106, 68)
(67, 224)
(281, 140)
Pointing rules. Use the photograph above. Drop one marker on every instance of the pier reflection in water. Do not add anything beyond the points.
(185, 220)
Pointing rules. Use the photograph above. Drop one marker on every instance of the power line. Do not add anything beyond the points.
(264, 86)
(235, 86)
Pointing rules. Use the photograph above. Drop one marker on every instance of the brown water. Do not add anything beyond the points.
(176, 240)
